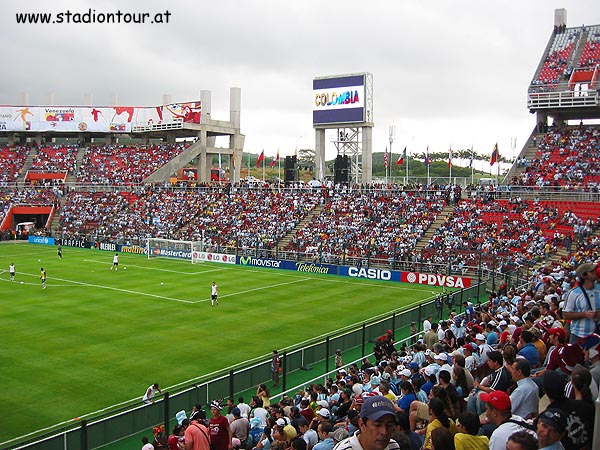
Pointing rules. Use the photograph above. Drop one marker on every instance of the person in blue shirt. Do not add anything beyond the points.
(528, 350)
(492, 337)
(408, 396)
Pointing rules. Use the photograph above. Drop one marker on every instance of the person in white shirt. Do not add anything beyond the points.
(150, 393)
(498, 412)
(214, 293)
(427, 324)
(244, 407)
(115, 262)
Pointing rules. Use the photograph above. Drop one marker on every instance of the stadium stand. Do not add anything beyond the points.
(556, 63)
(124, 165)
(56, 158)
(12, 160)
(590, 56)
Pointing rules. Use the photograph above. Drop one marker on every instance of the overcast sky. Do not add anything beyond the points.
(445, 72)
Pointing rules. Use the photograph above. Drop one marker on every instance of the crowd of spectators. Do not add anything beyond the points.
(510, 373)
(368, 225)
(568, 157)
(556, 65)
(123, 164)
(12, 160)
(55, 158)
(590, 56)
(508, 233)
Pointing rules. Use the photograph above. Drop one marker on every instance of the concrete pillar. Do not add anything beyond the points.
(560, 17)
(205, 99)
(24, 98)
(203, 163)
(38, 139)
(88, 99)
(11, 139)
(235, 106)
(319, 171)
(108, 139)
(167, 99)
(114, 100)
(51, 99)
(367, 155)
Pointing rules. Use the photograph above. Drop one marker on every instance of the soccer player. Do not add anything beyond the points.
(59, 251)
(214, 292)
(11, 271)
(43, 277)
(115, 262)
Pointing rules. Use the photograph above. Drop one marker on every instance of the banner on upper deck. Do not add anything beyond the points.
(104, 119)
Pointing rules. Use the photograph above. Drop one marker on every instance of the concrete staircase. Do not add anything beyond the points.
(55, 229)
(310, 216)
(576, 55)
(441, 218)
(72, 178)
(528, 152)
(32, 152)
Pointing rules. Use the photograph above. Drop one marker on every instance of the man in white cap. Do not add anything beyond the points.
(483, 347)
(582, 307)
(377, 422)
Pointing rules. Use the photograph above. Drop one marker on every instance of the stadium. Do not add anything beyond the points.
(80, 185)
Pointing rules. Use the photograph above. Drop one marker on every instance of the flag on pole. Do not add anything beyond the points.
(471, 160)
(386, 161)
(427, 160)
(401, 158)
(275, 160)
(260, 158)
(450, 157)
(495, 155)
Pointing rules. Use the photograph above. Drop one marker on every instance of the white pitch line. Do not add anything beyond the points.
(256, 289)
(157, 269)
(124, 290)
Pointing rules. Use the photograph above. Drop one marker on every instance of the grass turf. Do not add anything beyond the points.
(97, 337)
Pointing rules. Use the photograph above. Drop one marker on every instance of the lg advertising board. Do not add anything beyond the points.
(339, 99)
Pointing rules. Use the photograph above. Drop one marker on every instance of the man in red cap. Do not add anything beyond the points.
(498, 412)
(556, 338)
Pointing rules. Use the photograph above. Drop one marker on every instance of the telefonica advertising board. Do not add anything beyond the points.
(339, 99)
(369, 273)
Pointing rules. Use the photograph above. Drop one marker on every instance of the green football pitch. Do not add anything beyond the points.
(96, 337)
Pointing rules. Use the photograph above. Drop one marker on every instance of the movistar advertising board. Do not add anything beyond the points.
(297, 266)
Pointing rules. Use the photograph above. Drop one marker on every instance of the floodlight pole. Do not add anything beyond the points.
(392, 136)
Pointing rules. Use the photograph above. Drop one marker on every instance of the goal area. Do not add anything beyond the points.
(170, 248)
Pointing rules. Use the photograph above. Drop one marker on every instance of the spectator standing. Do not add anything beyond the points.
(195, 435)
(275, 368)
(582, 307)
(219, 429)
(239, 426)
